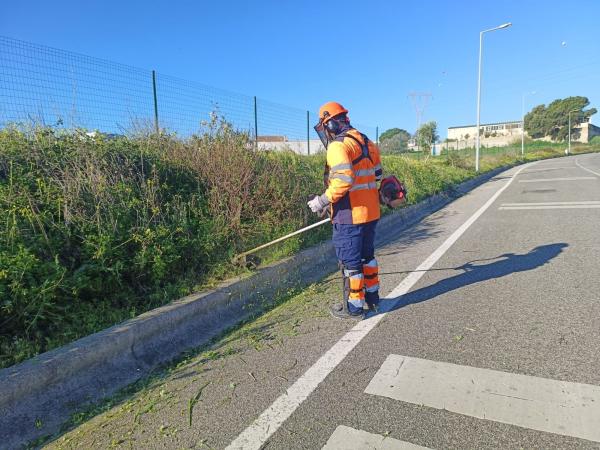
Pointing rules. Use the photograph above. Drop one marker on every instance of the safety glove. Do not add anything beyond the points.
(318, 204)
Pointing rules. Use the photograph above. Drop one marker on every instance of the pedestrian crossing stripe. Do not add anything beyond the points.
(346, 438)
(560, 407)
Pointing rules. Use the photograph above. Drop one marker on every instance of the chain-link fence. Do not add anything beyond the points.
(51, 87)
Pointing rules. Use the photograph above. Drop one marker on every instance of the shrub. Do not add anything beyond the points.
(97, 230)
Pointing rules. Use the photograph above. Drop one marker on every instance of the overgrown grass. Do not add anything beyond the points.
(96, 230)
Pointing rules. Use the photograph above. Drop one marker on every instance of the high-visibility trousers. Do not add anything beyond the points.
(355, 250)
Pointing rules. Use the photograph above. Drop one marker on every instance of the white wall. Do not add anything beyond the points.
(503, 137)
(300, 147)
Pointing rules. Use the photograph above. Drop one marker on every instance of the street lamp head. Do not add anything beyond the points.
(504, 25)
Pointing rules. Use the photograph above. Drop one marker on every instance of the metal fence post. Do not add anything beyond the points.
(155, 103)
(308, 132)
(255, 124)
(377, 135)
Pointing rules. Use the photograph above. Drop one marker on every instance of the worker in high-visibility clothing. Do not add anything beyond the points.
(352, 171)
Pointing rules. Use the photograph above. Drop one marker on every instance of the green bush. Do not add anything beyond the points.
(98, 230)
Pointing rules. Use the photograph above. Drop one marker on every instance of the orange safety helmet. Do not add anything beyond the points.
(330, 110)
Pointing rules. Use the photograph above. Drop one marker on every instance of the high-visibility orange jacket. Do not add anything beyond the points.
(352, 178)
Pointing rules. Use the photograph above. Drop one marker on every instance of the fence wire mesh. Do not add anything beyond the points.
(40, 85)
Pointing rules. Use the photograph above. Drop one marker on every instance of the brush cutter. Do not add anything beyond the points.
(392, 193)
(248, 260)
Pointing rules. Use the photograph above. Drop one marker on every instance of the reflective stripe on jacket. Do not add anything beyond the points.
(352, 181)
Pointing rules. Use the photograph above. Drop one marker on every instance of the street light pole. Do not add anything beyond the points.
(477, 144)
(478, 103)
(523, 122)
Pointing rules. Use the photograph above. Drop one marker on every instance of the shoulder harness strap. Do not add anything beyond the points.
(364, 147)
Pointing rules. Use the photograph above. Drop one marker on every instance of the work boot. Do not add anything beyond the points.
(372, 301)
(339, 312)
(373, 306)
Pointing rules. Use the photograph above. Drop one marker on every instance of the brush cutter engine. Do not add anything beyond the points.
(392, 192)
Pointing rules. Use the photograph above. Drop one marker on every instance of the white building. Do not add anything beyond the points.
(505, 133)
(499, 129)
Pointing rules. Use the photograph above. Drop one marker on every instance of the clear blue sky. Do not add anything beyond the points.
(367, 55)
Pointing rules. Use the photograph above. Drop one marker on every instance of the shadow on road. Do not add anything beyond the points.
(474, 273)
(431, 227)
(415, 235)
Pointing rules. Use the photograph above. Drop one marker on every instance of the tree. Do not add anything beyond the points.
(394, 140)
(394, 132)
(427, 135)
(553, 120)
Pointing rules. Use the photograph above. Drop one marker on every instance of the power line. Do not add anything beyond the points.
(547, 76)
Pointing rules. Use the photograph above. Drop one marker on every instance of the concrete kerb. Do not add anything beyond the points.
(54, 385)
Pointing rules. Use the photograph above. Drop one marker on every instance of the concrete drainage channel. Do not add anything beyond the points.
(39, 395)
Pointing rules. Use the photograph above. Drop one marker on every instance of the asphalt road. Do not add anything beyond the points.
(496, 345)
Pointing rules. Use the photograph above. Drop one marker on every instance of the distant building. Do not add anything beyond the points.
(412, 144)
(505, 133)
(505, 129)
(585, 132)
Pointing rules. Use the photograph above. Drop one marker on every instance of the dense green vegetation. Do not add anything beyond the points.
(98, 230)
(553, 120)
(394, 140)
(388, 134)
(95, 231)
(426, 135)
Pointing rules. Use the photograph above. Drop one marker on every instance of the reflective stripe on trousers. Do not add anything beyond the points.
(356, 292)
(371, 275)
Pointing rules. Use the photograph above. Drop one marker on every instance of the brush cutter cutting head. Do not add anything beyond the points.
(247, 261)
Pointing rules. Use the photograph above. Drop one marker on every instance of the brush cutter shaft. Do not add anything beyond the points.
(283, 238)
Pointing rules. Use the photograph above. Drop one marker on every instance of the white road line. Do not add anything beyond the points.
(273, 417)
(547, 169)
(515, 208)
(585, 168)
(583, 202)
(560, 407)
(539, 180)
(346, 438)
